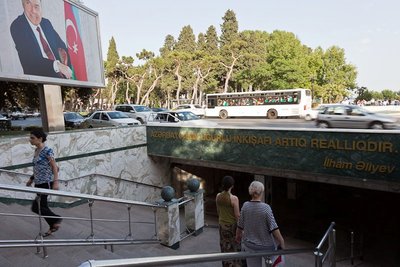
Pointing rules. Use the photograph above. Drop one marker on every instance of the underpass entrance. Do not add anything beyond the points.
(303, 209)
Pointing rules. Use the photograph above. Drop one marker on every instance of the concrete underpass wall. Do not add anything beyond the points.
(110, 162)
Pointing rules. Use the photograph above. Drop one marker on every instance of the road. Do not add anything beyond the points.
(242, 122)
(262, 122)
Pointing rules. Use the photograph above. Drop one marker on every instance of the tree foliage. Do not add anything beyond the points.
(187, 67)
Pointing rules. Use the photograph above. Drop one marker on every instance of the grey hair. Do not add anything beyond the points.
(24, 1)
(256, 188)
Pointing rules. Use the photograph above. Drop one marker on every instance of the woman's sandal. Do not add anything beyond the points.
(53, 229)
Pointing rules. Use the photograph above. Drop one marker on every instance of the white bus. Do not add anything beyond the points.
(269, 104)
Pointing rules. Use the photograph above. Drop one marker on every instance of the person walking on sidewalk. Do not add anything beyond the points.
(228, 214)
(45, 175)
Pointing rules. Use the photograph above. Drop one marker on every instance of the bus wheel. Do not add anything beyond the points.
(272, 114)
(223, 114)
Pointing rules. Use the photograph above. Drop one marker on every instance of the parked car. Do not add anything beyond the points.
(196, 109)
(73, 119)
(32, 114)
(108, 119)
(181, 118)
(139, 112)
(17, 115)
(159, 109)
(5, 123)
(350, 116)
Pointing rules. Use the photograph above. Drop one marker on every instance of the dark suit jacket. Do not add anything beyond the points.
(29, 52)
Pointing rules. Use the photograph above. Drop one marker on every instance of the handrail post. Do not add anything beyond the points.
(129, 222)
(194, 211)
(90, 202)
(38, 200)
(168, 224)
(155, 224)
(318, 257)
(352, 247)
(332, 247)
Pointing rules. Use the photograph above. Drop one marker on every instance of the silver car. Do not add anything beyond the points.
(108, 119)
(350, 116)
(138, 112)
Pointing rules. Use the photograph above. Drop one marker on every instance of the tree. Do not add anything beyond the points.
(389, 94)
(186, 40)
(231, 46)
(169, 45)
(126, 67)
(201, 42)
(21, 95)
(111, 69)
(289, 61)
(229, 28)
(211, 37)
(254, 58)
(335, 75)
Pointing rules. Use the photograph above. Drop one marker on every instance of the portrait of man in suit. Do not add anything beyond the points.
(41, 50)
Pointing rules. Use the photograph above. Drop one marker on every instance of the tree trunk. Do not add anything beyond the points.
(114, 90)
(179, 77)
(230, 71)
(145, 99)
(127, 98)
(196, 86)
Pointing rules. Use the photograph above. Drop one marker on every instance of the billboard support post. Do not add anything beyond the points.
(51, 108)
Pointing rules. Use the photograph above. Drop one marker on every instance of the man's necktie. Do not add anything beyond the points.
(45, 45)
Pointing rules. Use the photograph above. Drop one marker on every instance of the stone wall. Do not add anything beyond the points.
(110, 162)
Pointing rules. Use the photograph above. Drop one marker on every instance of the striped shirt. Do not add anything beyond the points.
(257, 222)
(42, 171)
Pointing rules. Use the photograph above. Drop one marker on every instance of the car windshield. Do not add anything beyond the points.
(142, 109)
(186, 116)
(117, 115)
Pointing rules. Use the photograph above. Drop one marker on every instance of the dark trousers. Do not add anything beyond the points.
(44, 207)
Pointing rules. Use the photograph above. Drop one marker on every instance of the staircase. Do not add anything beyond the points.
(27, 228)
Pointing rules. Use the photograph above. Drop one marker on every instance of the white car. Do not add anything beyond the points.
(178, 118)
(311, 114)
(109, 119)
(139, 112)
(196, 109)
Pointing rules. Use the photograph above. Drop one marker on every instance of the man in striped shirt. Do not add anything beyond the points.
(257, 228)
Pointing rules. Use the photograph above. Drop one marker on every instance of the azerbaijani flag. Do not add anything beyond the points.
(74, 41)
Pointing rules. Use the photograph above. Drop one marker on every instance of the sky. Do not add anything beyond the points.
(368, 30)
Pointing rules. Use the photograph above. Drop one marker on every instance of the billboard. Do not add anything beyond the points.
(50, 42)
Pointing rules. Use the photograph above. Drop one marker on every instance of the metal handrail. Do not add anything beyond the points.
(326, 235)
(88, 175)
(90, 240)
(77, 195)
(193, 258)
(330, 236)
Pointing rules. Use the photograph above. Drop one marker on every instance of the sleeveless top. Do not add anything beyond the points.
(226, 214)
